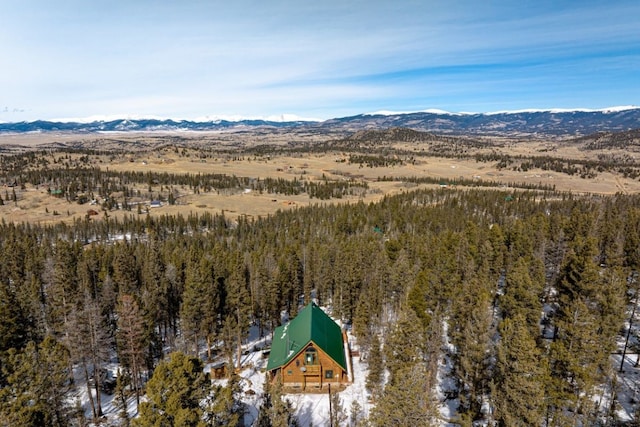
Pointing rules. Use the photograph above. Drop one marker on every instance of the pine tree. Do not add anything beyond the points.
(274, 412)
(586, 324)
(238, 307)
(417, 299)
(131, 340)
(195, 307)
(37, 386)
(175, 392)
(631, 245)
(125, 272)
(576, 355)
(518, 385)
(62, 291)
(406, 402)
(522, 295)
(76, 340)
(224, 408)
(289, 279)
(356, 414)
(155, 286)
(362, 322)
(402, 276)
(579, 273)
(471, 333)
(273, 294)
(13, 320)
(121, 396)
(405, 343)
(338, 414)
(375, 364)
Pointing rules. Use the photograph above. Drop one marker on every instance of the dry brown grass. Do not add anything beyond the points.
(36, 205)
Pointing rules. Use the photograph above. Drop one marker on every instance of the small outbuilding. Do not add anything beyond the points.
(310, 352)
(219, 371)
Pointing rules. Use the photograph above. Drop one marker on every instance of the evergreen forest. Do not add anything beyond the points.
(529, 294)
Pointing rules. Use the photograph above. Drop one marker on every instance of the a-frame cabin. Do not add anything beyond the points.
(309, 352)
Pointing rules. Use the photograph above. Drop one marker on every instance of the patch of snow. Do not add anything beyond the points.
(284, 331)
(106, 118)
(313, 409)
(309, 409)
(566, 110)
(285, 117)
(492, 113)
(110, 410)
(238, 118)
(430, 110)
(447, 388)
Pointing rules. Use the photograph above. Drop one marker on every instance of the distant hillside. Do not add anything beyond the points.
(512, 124)
(610, 140)
(394, 134)
(368, 142)
(142, 125)
(540, 123)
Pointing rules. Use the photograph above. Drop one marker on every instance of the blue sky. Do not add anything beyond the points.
(194, 59)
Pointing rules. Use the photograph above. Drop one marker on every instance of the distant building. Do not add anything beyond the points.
(310, 351)
(155, 204)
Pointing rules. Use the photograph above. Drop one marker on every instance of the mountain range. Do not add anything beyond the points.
(551, 123)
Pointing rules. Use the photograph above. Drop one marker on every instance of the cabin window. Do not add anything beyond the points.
(310, 356)
(289, 372)
(328, 374)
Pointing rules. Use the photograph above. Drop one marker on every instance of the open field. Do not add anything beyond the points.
(226, 154)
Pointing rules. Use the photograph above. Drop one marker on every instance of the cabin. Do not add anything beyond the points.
(310, 352)
(219, 371)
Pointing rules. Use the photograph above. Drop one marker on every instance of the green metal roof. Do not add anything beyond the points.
(311, 324)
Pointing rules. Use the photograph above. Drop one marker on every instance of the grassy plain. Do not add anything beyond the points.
(225, 155)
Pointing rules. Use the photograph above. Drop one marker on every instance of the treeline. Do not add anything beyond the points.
(625, 164)
(374, 161)
(526, 298)
(465, 182)
(626, 140)
(115, 189)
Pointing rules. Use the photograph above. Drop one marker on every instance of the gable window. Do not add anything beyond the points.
(310, 356)
(328, 374)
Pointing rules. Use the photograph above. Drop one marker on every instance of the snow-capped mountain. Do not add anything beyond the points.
(552, 122)
(524, 122)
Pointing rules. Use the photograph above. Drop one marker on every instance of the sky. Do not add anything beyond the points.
(283, 59)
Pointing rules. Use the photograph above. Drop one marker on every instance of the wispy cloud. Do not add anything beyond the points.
(319, 59)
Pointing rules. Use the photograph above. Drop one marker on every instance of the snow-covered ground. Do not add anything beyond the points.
(627, 381)
(110, 411)
(447, 387)
(313, 409)
(310, 409)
